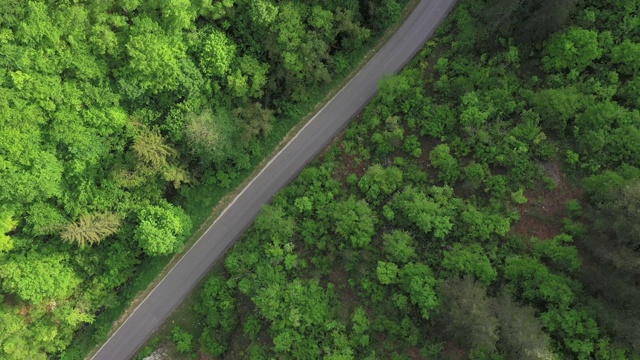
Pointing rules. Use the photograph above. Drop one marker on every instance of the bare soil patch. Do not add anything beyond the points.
(542, 215)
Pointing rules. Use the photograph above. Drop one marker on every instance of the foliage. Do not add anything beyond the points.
(162, 229)
(467, 314)
(573, 49)
(445, 163)
(114, 115)
(36, 278)
(379, 181)
(91, 228)
(469, 260)
(216, 305)
(399, 246)
(354, 221)
(421, 242)
(521, 333)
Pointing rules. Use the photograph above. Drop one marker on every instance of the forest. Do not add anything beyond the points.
(118, 116)
(485, 205)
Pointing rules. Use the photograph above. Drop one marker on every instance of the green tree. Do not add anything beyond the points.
(467, 314)
(626, 57)
(479, 224)
(556, 250)
(249, 77)
(475, 174)
(521, 333)
(7, 223)
(154, 59)
(162, 229)
(469, 260)
(574, 49)
(557, 107)
(35, 277)
(216, 305)
(418, 281)
(354, 221)
(445, 163)
(379, 181)
(574, 328)
(218, 52)
(91, 228)
(387, 272)
(263, 12)
(29, 171)
(399, 246)
(434, 213)
(274, 225)
(530, 279)
(360, 328)
(182, 339)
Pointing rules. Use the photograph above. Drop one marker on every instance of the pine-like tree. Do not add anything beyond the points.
(151, 148)
(91, 228)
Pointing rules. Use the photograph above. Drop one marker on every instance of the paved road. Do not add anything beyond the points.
(237, 217)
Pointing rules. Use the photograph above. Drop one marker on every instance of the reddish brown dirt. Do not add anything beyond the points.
(542, 215)
(414, 353)
(340, 278)
(349, 164)
(453, 351)
(25, 312)
(428, 143)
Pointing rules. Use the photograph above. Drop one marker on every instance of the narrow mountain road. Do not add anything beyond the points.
(237, 217)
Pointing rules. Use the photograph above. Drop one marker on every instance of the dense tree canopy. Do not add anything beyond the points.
(483, 206)
(412, 234)
(114, 114)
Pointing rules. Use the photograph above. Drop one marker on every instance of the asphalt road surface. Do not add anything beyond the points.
(237, 217)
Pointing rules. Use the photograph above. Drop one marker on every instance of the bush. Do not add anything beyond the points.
(183, 340)
(445, 163)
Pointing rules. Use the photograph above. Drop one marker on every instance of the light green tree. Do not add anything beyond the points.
(354, 221)
(574, 49)
(218, 52)
(162, 229)
(91, 228)
(445, 163)
(379, 182)
(36, 277)
(387, 272)
(469, 260)
(399, 246)
(154, 59)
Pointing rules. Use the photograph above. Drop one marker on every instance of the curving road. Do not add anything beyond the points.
(237, 217)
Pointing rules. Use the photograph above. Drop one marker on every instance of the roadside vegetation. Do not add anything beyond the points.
(485, 205)
(124, 122)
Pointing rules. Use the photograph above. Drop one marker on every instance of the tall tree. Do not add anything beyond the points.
(91, 228)
(467, 314)
(574, 49)
(162, 229)
(355, 221)
(521, 333)
(37, 277)
(154, 58)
